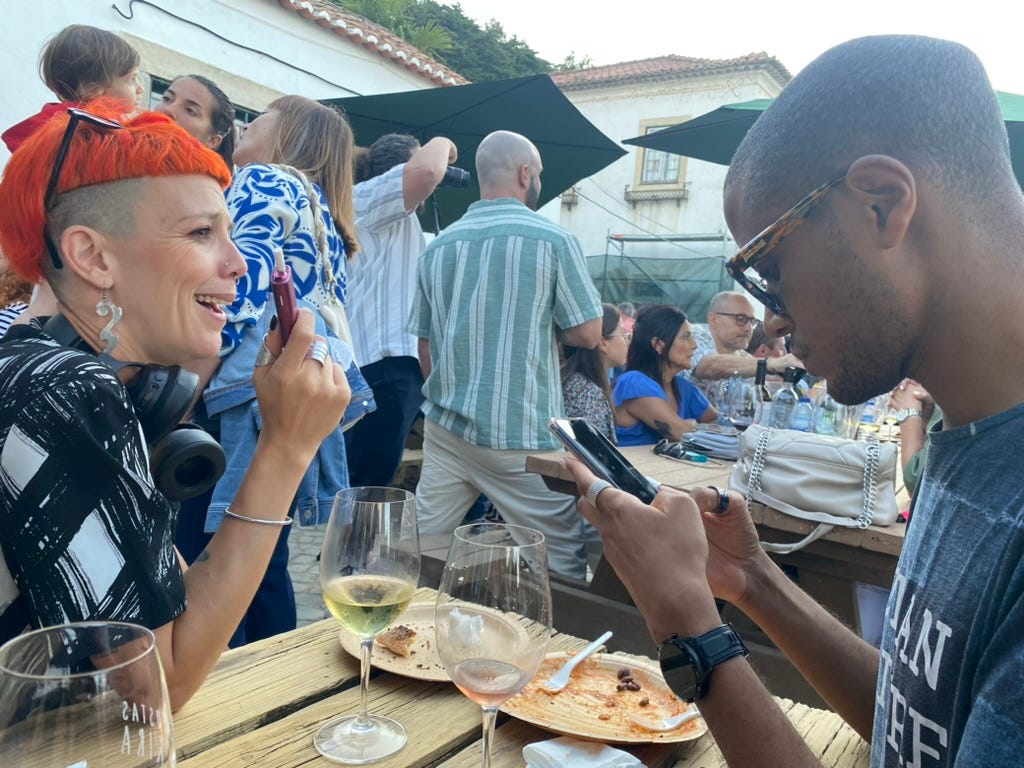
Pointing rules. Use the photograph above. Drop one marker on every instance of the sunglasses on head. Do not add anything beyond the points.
(77, 116)
(743, 264)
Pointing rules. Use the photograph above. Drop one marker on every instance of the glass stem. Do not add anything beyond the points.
(490, 715)
(363, 716)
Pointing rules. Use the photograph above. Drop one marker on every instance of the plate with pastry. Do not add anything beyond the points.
(613, 698)
(406, 647)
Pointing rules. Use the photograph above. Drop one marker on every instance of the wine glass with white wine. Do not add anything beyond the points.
(85, 695)
(493, 614)
(369, 569)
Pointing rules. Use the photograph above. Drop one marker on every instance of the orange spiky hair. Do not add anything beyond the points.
(148, 145)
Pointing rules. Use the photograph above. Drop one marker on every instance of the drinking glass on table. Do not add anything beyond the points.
(84, 694)
(493, 614)
(369, 569)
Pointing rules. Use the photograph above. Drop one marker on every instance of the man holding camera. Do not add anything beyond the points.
(395, 176)
(493, 290)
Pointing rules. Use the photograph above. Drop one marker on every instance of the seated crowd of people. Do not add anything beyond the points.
(139, 250)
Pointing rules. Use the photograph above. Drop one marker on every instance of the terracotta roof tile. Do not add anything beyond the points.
(362, 31)
(666, 68)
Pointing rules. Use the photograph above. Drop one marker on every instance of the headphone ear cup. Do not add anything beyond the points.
(162, 396)
(186, 463)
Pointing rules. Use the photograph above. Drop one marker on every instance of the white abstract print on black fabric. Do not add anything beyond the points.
(83, 532)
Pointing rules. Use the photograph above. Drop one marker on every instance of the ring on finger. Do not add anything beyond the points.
(318, 350)
(723, 500)
(264, 356)
(595, 488)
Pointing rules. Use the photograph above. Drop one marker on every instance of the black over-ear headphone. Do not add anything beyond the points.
(184, 459)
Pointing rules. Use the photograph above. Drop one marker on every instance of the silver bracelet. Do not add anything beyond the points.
(280, 523)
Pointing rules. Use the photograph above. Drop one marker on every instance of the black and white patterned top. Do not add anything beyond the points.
(84, 534)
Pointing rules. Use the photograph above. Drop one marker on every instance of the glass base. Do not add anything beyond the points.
(343, 740)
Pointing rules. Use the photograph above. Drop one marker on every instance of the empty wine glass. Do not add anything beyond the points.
(493, 614)
(87, 694)
(369, 568)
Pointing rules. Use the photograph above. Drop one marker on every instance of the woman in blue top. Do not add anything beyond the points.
(653, 399)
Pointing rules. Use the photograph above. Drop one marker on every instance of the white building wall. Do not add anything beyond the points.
(254, 49)
(618, 112)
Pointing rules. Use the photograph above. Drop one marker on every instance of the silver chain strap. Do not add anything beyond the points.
(872, 458)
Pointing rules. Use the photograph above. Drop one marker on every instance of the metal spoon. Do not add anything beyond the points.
(668, 724)
(560, 679)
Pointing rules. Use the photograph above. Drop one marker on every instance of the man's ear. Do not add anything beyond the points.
(524, 176)
(84, 252)
(886, 193)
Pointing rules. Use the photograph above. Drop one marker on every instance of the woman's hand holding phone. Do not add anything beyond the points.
(301, 400)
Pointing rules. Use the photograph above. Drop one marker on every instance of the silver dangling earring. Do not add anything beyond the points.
(106, 307)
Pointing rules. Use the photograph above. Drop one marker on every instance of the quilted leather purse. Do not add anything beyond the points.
(825, 480)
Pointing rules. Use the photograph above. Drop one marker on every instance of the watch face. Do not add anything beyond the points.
(680, 667)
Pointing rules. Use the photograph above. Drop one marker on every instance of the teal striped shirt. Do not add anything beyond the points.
(491, 291)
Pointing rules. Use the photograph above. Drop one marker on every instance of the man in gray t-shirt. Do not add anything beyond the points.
(884, 235)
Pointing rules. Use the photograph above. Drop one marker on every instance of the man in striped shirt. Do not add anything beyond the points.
(492, 292)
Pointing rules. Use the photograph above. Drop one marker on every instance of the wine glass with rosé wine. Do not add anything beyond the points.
(369, 569)
(493, 614)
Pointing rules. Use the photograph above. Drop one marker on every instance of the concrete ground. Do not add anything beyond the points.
(304, 546)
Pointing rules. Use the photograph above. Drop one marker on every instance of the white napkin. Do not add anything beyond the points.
(563, 751)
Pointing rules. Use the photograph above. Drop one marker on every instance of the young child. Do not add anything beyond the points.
(82, 63)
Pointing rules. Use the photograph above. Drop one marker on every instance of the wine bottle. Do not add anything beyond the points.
(761, 393)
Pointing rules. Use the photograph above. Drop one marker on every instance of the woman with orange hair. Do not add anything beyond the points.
(128, 225)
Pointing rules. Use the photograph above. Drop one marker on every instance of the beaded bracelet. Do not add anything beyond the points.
(282, 523)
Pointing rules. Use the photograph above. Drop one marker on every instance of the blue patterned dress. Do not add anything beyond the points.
(270, 209)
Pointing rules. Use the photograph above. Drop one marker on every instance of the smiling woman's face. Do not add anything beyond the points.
(175, 273)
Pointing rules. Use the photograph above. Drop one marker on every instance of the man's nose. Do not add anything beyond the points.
(777, 325)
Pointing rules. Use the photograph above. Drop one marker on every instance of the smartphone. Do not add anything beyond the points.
(601, 457)
(284, 296)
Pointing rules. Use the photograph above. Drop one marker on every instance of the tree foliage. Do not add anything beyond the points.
(476, 54)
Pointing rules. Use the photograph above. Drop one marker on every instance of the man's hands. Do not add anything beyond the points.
(676, 554)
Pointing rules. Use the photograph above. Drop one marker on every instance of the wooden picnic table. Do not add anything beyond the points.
(828, 569)
(263, 702)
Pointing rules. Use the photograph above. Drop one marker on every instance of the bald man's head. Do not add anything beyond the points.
(508, 165)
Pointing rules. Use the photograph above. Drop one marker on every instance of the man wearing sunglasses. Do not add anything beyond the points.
(884, 228)
(722, 344)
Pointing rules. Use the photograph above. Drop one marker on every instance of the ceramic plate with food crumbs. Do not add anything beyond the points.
(596, 704)
(411, 638)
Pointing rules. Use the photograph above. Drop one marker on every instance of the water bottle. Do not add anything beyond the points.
(826, 416)
(732, 400)
(802, 415)
(784, 402)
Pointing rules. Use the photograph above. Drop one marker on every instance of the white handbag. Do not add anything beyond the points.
(826, 480)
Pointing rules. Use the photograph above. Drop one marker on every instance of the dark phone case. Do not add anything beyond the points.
(604, 459)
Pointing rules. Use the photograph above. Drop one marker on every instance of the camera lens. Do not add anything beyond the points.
(455, 177)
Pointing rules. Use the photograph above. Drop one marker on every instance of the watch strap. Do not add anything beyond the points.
(907, 413)
(700, 655)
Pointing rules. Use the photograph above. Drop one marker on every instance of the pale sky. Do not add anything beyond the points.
(793, 32)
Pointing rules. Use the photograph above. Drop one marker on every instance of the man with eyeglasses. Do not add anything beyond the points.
(722, 343)
(884, 226)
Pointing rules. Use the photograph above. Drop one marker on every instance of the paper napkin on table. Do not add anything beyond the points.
(563, 751)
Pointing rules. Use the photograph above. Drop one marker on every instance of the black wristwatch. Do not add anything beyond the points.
(686, 662)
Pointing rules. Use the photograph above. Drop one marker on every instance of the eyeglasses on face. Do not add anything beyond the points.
(741, 319)
(77, 116)
(743, 263)
(627, 335)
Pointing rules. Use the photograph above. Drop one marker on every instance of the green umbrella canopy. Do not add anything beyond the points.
(571, 147)
(715, 136)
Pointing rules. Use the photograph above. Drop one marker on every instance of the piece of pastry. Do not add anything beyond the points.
(398, 640)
